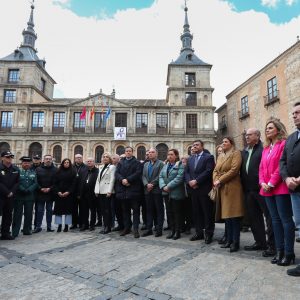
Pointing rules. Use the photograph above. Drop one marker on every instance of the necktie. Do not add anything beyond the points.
(248, 159)
(196, 160)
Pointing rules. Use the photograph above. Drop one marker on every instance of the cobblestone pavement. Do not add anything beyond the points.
(88, 265)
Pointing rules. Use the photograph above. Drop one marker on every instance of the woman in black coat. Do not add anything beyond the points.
(64, 184)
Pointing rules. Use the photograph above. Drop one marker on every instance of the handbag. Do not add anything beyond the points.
(214, 194)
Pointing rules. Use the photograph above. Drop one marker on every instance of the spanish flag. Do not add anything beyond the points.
(92, 112)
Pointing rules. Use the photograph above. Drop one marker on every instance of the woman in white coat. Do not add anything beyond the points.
(104, 189)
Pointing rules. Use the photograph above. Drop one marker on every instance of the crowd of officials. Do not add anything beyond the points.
(262, 182)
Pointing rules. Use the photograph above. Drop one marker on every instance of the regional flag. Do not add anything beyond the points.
(83, 113)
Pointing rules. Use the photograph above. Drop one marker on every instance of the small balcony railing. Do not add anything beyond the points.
(271, 98)
(243, 114)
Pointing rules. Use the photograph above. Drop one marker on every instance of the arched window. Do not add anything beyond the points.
(162, 150)
(78, 150)
(4, 147)
(120, 150)
(98, 154)
(141, 153)
(57, 153)
(35, 149)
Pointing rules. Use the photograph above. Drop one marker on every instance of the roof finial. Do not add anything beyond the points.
(186, 37)
(29, 35)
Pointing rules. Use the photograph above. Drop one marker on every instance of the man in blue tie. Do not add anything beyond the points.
(198, 177)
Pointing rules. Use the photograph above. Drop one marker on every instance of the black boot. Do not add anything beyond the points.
(223, 240)
(66, 229)
(234, 247)
(226, 245)
(287, 260)
(59, 228)
(176, 236)
(170, 235)
(278, 257)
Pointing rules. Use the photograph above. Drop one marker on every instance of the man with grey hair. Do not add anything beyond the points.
(87, 195)
(255, 204)
(153, 195)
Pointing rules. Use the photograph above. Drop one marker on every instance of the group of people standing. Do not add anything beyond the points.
(264, 180)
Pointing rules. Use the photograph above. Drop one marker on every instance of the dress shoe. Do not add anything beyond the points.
(117, 228)
(92, 228)
(167, 228)
(73, 227)
(196, 237)
(294, 271)
(125, 232)
(136, 234)
(208, 239)
(227, 245)
(223, 240)
(245, 229)
(170, 235)
(7, 237)
(255, 247)
(59, 228)
(269, 252)
(287, 260)
(234, 247)
(37, 230)
(144, 227)
(298, 239)
(107, 230)
(176, 235)
(278, 257)
(83, 228)
(147, 233)
(27, 232)
(66, 229)
(49, 229)
(98, 224)
(158, 233)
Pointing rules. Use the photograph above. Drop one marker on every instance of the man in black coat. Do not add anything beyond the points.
(87, 200)
(128, 188)
(290, 172)
(198, 177)
(80, 168)
(256, 206)
(9, 181)
(45, 179)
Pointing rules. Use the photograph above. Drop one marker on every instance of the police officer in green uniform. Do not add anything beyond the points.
(24, 198)
(9, 181)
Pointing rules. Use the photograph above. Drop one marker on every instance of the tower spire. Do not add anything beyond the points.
(29, 35)
(186, 37)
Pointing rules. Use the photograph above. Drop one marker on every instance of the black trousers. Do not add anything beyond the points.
(118, 211)
(174, 213)
(187, 213)
(203, 213)
(144, 208)
(76, 212)
(155, 211)
(104, 203)
(87, 210)
(128, 205)
(257, 210)
(7, 209)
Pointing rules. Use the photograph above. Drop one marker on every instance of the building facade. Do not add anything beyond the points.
(270, 93)
(33, 122)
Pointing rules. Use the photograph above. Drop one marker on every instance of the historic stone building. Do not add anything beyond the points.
(271, 92)
(33, 122)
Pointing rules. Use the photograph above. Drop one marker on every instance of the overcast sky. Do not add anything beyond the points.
(129, 47)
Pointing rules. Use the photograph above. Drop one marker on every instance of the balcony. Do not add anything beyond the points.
(37, 129)
(243, 114)
(271, 98)
(58, 129)
(5, 129)
(191, 130)
(78, 129)
(141, 129)
(99, 130)
(161, 130)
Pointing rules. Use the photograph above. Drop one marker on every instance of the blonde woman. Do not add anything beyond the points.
(104, 189)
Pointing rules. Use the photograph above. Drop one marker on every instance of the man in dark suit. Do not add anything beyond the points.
(153, 195)
(255, 203)
(128, 188)
(290, 172)
(198, 177)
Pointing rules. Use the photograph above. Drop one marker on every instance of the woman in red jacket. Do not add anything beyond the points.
(276, 193)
